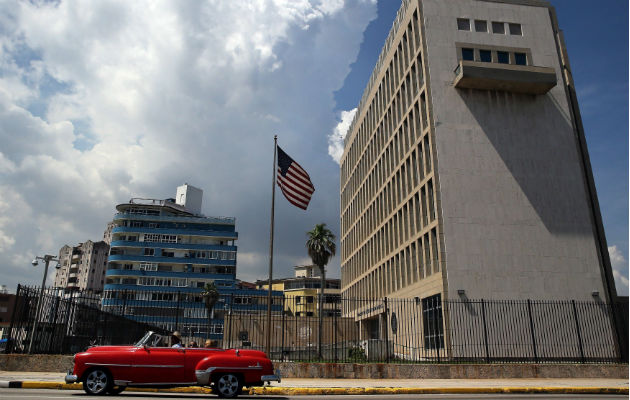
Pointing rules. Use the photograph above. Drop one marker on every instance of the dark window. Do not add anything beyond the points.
(520, 58)
(515, 29)
(463, 24)
(503, 57)
(432, 320)
(481, 26)
(468, 54)
(498, 27)
(149, 252)
(485, 55)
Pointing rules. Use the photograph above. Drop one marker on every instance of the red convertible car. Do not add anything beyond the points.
(149, 363)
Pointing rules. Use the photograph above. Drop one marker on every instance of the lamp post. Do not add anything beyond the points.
(46, 259)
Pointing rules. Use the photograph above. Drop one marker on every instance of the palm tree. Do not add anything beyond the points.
(321, 246)
(210, 297)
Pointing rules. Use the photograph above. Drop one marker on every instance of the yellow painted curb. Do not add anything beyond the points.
(288, 391)
(52, 385)
(297, 391)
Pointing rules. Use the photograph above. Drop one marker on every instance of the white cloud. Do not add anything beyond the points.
(166, 93)
(620, 269)
(336, 138)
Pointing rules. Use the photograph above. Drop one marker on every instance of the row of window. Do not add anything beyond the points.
(386, 122)
(415, 262)
(210, 254)
(142, 211)
(409, 176)
(480, 25)
(382, 155)
(159, 238)
(406, 224)
(495, 56)
(170, 268)
(407, 52)
(158, 281)
(310, 284)
(154, 237)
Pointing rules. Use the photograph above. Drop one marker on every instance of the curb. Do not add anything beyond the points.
(297, 391)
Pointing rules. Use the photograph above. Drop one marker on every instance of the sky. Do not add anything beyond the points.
(104, 101)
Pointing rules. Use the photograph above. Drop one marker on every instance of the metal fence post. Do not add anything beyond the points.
(334, 332)
(230, 323)
(283, 318)
(177, 312)
(54, 325)
(577, 328)
(10, 338)
(438, 321)
(386, 330)
(124, 306)
(485, 329)
(531, 329)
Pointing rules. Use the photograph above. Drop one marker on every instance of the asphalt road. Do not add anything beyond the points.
(10, 394)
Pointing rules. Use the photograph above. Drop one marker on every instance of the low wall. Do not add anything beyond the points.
(35, 362)
(450, 371)
(61, 363)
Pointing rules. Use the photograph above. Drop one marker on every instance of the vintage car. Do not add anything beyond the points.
(151, 363)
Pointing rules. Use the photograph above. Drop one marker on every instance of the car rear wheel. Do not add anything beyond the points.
(228, 385)
(97, 382)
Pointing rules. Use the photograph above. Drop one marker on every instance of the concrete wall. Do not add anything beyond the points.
(60, 363)
(516, 221)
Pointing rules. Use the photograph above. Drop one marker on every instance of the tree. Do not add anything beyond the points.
(210, 297)
(321, 246)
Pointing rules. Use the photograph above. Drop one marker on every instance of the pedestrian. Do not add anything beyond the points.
(176, 339)
(193, 344)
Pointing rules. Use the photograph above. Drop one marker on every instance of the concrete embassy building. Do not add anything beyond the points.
(465, 173)
(82, 267)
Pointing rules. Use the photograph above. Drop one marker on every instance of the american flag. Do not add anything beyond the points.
(294, 181)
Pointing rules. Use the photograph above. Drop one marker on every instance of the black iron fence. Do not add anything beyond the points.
(352, 330)
(54, 322)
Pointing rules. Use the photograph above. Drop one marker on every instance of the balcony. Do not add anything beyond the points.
(505, 77)
(170, 260)
(164, 245)
(187, 232)
(178, 219)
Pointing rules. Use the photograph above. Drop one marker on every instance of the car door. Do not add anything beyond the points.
(160, 366)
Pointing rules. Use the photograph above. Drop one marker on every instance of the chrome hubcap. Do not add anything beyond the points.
(96, 381)
(228, 384)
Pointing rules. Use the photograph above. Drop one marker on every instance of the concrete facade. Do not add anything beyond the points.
(82, 267)
(465, 173)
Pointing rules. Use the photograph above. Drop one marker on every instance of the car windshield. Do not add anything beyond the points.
(151, 339)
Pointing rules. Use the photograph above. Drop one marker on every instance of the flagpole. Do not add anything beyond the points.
(273, 202)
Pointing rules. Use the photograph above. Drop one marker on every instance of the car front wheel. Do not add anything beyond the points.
(228, 385)
(97, 382)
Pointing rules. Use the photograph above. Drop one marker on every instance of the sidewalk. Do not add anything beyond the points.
(292, 386)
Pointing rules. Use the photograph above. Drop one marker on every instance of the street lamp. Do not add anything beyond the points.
(46, 259)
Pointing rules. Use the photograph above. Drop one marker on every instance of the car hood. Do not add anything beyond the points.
(97, 349)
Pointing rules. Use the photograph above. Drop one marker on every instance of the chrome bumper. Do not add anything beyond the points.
(269, 378)
(203, 376)
(71, 378)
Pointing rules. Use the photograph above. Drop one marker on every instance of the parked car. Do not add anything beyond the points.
(150, 363)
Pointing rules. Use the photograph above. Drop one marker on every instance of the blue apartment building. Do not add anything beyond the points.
(162, 254)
